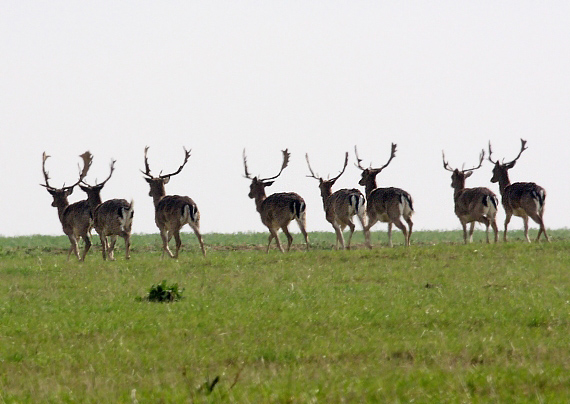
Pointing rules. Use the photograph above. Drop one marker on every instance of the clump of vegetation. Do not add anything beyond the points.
(162, 292)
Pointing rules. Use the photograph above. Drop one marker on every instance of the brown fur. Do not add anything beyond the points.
(172, 212)
(386, 204)
(114, 218)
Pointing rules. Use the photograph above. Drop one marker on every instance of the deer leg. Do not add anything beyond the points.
(410, 225)
(398, 223)
(112, 248)
(303, 227)
(273, 235)
(525, 222)
(127, 238)
(103, 245)
(471, 229)
(178, 242)
(507, 220)
(495, 230)
(73, 247)
(165, 238)
(351, 226)
(372, 219)
(390, 235)
(87, 241)
(486, 222)
(196, 229)
(464, 225)
(289, 237)
(538, 219)
(339, 236)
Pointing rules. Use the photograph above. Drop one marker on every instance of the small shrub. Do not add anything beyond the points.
(162, 292)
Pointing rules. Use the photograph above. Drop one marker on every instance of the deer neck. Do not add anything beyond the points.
(259, 198)
(504, 181)
(156, 198)
(61, 209)
(370, 187)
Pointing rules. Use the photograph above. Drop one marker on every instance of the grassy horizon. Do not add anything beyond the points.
(436, 322)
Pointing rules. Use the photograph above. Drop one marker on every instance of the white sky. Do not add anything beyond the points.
(312, 76)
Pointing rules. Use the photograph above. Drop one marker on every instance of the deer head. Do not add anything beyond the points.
(157, 183)
(257, 187)
(368, 176)
(458, 177)
(326, 185)
(94, 191)
(60, 194)
(500, 169)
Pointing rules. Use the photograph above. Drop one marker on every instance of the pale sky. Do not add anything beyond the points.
(312, 76)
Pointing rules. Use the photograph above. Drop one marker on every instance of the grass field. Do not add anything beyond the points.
(437, 322)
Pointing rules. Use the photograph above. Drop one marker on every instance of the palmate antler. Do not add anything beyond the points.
(147, 167)
(448, 168)
(333, 180)
(377, 170)
(87, 160)
(112, 169)
(511, 163)
(286, 156)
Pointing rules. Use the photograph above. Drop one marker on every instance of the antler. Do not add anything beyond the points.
(112, 166)
(87, 160)
(491, 152)
(46, 174)
(392, 155)
(448, 168)
(247, 174)
(310, 169)
(343, 168)
(286, 156)
(446, 163)
(147, 167)
(523, 148)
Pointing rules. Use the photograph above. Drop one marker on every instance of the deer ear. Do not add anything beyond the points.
(510, 165)
(165, 180)
(468, 174)
(268, 183)
(51, 191)
(149, 180)
(68, 191)
(83, 188)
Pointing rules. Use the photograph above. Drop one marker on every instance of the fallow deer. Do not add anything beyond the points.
(279, 209)
(341, 205)
(523, 199)
(472, 204)
(111, 218)
(385, 204)
(172, 212)
(76, 219)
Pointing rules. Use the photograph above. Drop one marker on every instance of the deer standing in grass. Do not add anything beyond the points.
(172, 212)
(385, 204)
(523, 199)
(341, 205)
(111, 218)
(76, 219)
(472, 204)
(279, 209)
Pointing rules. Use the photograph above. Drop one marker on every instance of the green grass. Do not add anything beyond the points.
(436, 322)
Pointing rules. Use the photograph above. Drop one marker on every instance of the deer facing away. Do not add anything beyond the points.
(279, 209)
(341, 205)
(472, 204)
(172, 212)
(111, 218)
(523, 199)
(385, 204)
(76, 219)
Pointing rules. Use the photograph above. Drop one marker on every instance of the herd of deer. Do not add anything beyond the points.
(113, 218)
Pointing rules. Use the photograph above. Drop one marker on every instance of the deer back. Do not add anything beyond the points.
(174, 211)
(524, 197)
(114, 217)
(475, 203)
(279, 209)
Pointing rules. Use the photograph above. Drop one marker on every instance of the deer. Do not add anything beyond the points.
(387, 205)
(340, 206)
(523, 199)
(76, 219)
(111, 218)
(172, 212)
(472, 204)
(279, 209)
